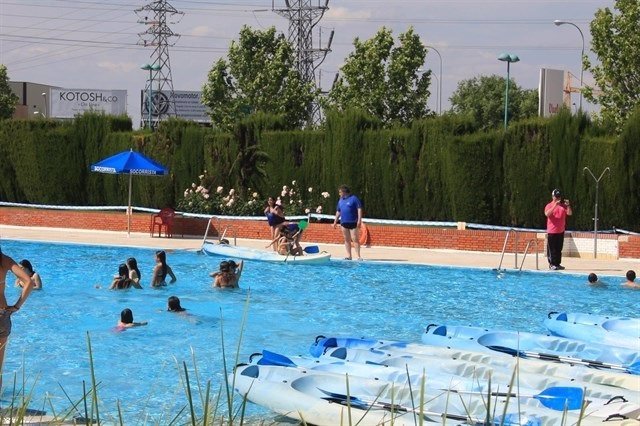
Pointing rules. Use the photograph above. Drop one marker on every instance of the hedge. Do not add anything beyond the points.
(439, 168)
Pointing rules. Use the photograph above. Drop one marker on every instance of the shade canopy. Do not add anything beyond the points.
(129, 163)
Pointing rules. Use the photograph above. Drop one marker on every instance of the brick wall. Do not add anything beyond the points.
(629, 246)
(576, 244)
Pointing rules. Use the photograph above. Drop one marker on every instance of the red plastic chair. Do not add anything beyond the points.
(163, 220)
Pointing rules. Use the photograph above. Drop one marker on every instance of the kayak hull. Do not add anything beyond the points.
(247, 253)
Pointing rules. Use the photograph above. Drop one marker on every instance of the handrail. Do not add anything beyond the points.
(504, 247)
(206, 232)
(526, 250)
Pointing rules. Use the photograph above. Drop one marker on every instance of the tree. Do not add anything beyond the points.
(482, 98)
(259, 76)
(384, 80)
(8, 99)
(615, 41)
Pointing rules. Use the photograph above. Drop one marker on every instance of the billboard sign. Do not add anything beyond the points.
(551, 92)
(67, 103)
(187, 105)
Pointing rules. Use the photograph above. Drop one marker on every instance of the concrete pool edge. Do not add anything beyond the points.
(444, 257)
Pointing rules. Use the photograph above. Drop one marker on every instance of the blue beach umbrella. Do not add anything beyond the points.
(129, 163)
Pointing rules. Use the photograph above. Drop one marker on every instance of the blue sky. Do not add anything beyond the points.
(92, 44)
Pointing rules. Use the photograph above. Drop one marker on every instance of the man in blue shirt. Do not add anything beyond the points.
(349, 211)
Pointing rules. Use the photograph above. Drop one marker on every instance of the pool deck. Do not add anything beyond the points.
(388, 254)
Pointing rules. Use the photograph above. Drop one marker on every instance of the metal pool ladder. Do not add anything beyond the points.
(224, 233)
(515, 252)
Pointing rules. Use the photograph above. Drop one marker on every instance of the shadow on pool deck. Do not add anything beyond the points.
(386, 254)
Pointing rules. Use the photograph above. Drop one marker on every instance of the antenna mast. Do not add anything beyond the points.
(303, 17)
(159, 36)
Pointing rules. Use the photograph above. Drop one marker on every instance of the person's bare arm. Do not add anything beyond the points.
(239, 272)
(171, 274)
(37, 281)
(26, 288)
(360, 215)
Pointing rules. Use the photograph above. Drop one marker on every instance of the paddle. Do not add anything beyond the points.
(631, 369)
(311, 249)
(303, 224)
(366, 405)
(556, 398)
(272, 358)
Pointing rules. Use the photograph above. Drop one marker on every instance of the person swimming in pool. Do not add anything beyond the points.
(28, 268)
(631, 280)
(173, 304)
(6, 311)
(122, 280)
(594, 281)
(126, 320)
(229, 274)
(161, 270)
(134, 272)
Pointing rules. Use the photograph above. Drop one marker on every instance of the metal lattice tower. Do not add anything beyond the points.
(159, 36)
(303, 17)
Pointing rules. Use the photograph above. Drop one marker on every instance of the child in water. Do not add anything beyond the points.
(126, 320)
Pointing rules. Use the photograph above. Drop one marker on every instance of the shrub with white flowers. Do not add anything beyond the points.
(208, 198)
(297, 201)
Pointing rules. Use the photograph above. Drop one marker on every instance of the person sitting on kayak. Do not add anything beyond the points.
(288, 240)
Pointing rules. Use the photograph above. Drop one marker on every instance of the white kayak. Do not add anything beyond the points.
(575, 371)
(531, 345)
(444, 373)
(325, 398)
(284, 391)
(616, 331)
(247, 253)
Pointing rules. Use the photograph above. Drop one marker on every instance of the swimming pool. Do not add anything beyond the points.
(289, 304)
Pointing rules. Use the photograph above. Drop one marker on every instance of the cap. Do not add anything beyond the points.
(233, 264)
(556, 193)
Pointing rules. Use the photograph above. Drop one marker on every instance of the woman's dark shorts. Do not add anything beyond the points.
(349, 225)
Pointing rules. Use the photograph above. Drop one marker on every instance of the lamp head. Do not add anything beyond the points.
(559, 22)
(146, 67)
(156, 67)
(508, 57)
(44, 93)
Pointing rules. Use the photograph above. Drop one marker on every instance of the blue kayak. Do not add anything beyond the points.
(616, 331)
(531, 345)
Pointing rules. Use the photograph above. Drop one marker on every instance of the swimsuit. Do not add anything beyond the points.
(274, 219)
(5, 323)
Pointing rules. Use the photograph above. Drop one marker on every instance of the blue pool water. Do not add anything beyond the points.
(288, 306)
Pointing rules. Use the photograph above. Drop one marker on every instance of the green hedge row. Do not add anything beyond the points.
(437, 169)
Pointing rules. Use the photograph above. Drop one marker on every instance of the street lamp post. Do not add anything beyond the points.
(439, 79)
(559, 22)
(151, 69)
(46, 111)
(508, 58)
(595, 216)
